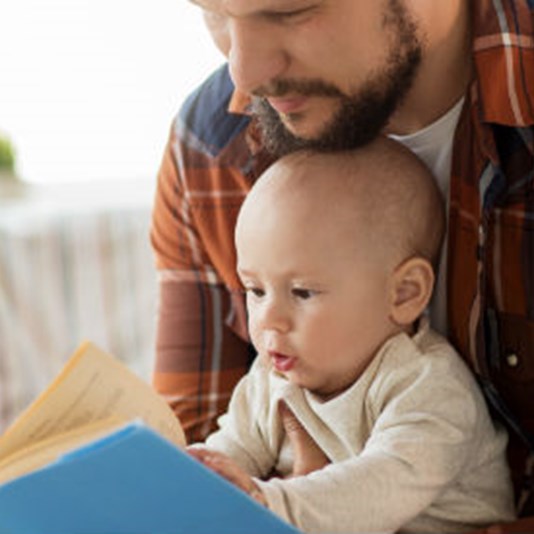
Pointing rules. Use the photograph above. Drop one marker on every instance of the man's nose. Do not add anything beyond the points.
(255, 57)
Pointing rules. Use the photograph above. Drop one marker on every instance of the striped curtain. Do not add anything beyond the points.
(66, 277)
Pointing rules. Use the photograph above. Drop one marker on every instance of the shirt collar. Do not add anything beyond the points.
(239, 103)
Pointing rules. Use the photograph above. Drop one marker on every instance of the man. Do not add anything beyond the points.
(453, 81)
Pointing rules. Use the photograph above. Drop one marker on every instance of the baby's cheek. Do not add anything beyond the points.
(255, 335)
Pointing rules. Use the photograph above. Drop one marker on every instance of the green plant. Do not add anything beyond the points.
(7, 155)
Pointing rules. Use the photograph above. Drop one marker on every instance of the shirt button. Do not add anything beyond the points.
(512, 360)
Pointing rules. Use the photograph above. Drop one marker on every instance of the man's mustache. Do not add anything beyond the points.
(282, 87)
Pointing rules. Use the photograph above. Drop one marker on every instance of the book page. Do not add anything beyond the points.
(44, 452)
(92, 386)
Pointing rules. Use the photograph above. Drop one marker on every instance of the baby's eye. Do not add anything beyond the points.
(255, 291)
(302, 293)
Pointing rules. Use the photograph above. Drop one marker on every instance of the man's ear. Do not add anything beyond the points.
(411, 288)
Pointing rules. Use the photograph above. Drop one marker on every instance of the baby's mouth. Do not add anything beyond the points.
(282, 362)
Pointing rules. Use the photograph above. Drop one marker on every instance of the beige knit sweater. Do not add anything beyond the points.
(412, 446)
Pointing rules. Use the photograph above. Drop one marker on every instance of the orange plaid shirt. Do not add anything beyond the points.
(214, 156)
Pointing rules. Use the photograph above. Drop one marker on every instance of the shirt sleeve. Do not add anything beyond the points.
(199, 358)
(246, 432)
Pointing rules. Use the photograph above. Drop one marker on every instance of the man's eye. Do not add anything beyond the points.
(302, 294)
(290, 16)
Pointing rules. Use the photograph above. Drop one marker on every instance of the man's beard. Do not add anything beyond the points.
(361, 116)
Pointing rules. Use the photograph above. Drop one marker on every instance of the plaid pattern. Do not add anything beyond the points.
(491, 229)
(209, 165)
(213, 157)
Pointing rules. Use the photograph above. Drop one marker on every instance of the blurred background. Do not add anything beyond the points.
(88, 90)
(88, 87)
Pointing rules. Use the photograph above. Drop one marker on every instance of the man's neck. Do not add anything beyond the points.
(443, 78)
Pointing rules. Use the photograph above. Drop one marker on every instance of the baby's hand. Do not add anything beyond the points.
(308, 457)
(227, 468)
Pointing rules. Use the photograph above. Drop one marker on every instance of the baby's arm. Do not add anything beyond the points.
(241, 435)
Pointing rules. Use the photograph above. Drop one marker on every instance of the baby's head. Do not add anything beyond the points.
(336, 252)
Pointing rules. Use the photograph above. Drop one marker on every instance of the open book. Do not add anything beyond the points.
(100, 452)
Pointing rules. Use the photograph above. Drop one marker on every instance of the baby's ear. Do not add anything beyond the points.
(411, 288)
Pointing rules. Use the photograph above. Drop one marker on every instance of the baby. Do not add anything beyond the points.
(336, 254)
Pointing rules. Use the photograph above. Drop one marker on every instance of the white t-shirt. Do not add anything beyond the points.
(433, 145)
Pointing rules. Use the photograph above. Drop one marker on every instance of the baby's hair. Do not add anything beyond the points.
(387, 190)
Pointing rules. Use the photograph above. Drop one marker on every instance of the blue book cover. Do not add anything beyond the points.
(131, 481)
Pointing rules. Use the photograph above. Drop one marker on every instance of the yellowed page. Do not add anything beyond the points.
(46, 451)
(92, 386)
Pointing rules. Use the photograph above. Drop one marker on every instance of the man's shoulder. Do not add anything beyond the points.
(204, 115)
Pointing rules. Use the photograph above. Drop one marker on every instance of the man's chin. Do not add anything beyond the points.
(309, 128)
(301, 132)
(305, 126)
